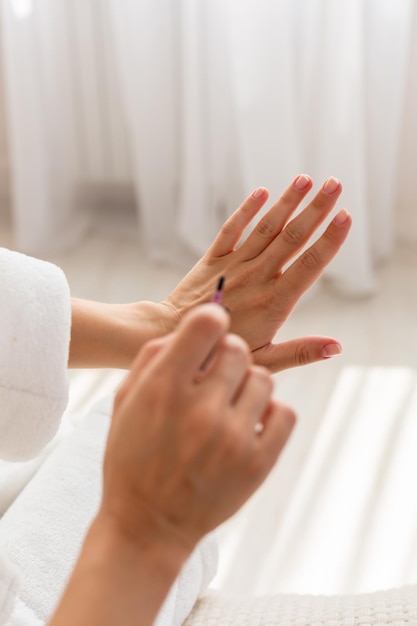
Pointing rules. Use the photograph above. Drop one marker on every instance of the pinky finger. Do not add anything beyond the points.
(232, 230)
(278, 424)
(296, 352)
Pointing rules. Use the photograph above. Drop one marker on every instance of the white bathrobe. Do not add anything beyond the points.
(52, 499)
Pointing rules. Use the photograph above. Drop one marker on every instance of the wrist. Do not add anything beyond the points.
(111, 335)
(144, 544)
(118, 579)
(138, 323)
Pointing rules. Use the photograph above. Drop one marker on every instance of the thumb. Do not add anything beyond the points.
(302, 351)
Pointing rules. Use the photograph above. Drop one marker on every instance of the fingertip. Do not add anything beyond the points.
(302, 182)
(332, 186)
(343, 218)
(261, 193)
(234, 341)
(209, 315)
(331, 349)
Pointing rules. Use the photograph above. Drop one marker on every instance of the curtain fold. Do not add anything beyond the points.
(39, 105)
(196, 103)
(146, 42)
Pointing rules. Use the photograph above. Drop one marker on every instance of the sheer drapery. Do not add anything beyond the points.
(217, 98)
(66, 128)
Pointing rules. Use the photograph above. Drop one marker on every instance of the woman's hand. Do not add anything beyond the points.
(194, 433)
(260, 290)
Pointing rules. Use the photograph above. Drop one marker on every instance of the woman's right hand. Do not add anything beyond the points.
(195, 431)
(183, 453)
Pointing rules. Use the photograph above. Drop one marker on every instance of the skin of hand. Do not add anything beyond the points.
(261, 288)
(183, 454)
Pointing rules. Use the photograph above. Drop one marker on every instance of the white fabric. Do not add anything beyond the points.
(8, 586)
(14, 476)
(192, 582)
(34, 340)
(35, 319)
(42, 532)
(217, 98)
(397, 607)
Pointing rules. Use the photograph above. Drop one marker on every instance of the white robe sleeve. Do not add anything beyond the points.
(35, 323)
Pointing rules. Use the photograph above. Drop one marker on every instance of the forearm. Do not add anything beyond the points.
(110, 335)
(118, 580)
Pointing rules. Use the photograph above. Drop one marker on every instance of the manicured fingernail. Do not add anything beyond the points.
(301, 182)
(330, 185)
(332, 349)
(258, 193)
(341, 218)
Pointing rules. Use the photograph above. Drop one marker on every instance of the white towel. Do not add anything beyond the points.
(35, 319)
(192, 582)
(8, 584)
(42, 532)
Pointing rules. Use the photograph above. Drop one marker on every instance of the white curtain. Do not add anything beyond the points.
(197, 102)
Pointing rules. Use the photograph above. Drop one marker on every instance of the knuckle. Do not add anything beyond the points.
(267, 300)
(331, 235)
(246, 207)
(228, 227)
(246, 276)
(320, 201)
(292, 234)
(310, 260)
(302, 355)
(265, 228)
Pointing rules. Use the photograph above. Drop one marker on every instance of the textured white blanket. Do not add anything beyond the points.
(396, 607)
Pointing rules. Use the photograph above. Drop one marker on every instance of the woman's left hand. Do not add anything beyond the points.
(261, 289)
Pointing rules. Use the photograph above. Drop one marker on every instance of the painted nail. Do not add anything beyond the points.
(301, 182)
(341, 218)
(258, 193)
(330, 185)
(332, 349)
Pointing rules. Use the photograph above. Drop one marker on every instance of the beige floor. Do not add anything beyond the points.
(339, 512)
